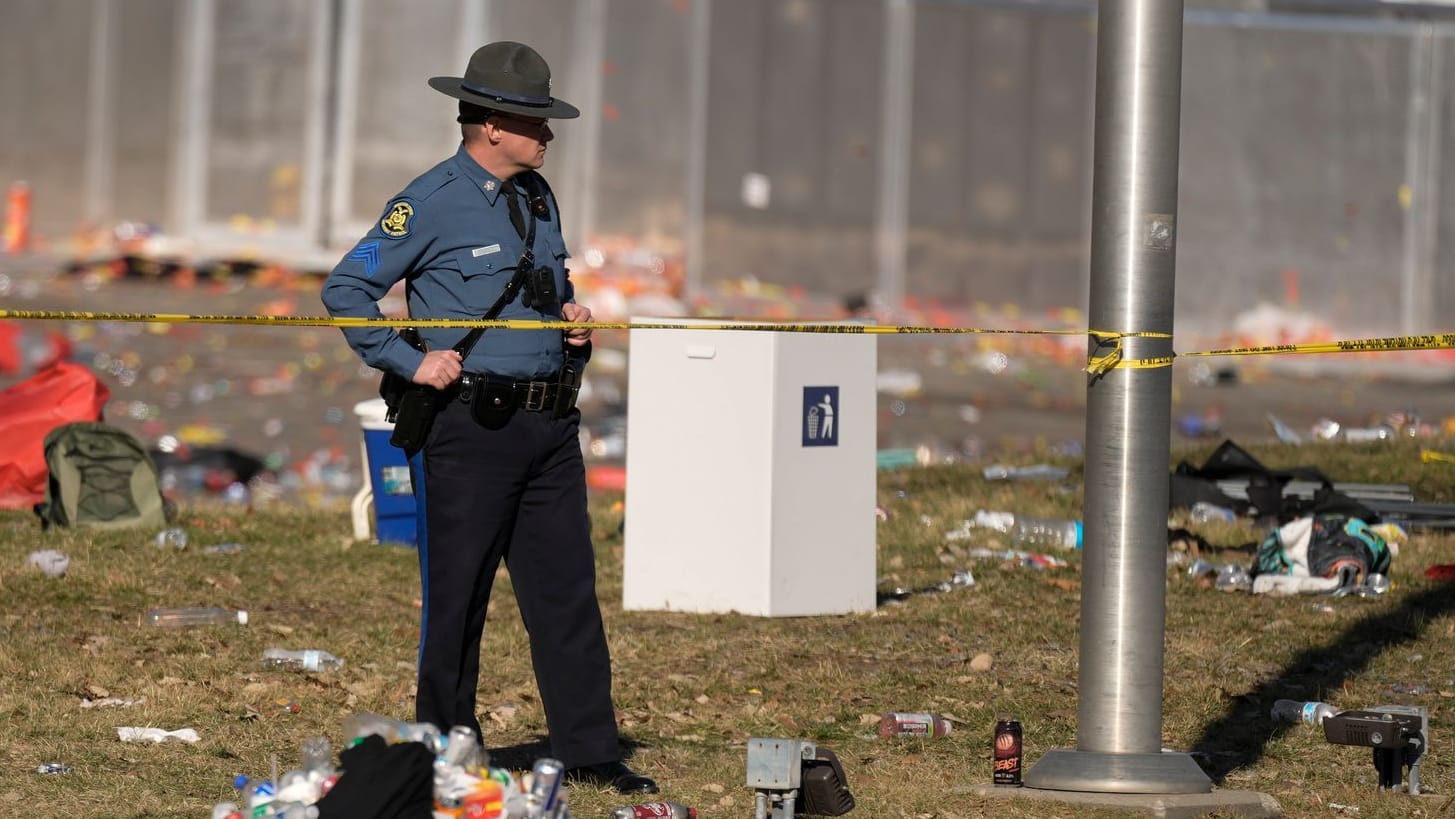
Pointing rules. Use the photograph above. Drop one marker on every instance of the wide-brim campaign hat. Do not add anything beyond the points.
(509, 77)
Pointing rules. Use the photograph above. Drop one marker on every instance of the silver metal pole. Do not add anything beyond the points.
(346, 127)
(194, 114)
(101, 114)
(320, 68)
(474, 30)
(589, 52)
(1422, 151)
(895, 122)
(477, 27)
(699, 53)
(1128, 420)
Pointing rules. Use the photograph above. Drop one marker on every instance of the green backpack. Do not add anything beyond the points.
(100, 477)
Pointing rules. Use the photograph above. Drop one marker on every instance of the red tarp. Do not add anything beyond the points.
(57, 395)
(26, 351)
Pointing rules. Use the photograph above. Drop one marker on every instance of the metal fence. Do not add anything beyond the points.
(938, 149)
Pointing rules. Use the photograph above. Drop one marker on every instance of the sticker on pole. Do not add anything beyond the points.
(820, 416)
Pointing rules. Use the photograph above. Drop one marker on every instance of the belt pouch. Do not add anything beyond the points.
(494, 404)
(416, 411)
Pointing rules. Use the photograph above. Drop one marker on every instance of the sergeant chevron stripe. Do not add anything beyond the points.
(368, 253)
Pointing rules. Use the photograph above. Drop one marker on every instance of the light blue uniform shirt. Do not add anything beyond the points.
(448, 235)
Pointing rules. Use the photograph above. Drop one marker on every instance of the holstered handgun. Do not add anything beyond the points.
(417, 409)
(411, 407)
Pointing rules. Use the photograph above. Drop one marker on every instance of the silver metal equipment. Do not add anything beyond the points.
(775, 773)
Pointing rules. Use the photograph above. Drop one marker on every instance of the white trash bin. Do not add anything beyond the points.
(750, 471)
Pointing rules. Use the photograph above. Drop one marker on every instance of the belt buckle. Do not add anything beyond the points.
(535, 396)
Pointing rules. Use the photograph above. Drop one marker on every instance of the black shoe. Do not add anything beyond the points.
(613, 774)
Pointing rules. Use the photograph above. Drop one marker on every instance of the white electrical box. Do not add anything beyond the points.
(750, 471)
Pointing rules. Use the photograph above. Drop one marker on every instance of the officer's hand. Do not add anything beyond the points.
(439, 369)
(576, 336)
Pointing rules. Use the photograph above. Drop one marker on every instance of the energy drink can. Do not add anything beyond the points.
(1007, 770)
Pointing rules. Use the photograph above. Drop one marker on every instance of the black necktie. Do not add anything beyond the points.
(517, 220)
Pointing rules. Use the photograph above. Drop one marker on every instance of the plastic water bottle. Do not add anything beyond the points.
(1308, 713)
(172, 539)
(999, 472)
(308, 659)
(900, 724)
(651, 810)
(315, 757)
(194, 616)
(1050, 533)
(254, 792)
(357, 726)
(1204, 512)
(1234, 577)
(1201, 568)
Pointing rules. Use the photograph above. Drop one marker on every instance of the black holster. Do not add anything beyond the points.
(418, 405)
(569, 386)
(412, 407)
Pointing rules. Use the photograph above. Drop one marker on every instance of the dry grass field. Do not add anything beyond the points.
(691, 689)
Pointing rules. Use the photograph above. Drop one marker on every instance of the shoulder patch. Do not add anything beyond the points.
(396, 221)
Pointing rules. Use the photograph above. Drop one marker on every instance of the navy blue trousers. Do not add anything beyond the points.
(516, 494)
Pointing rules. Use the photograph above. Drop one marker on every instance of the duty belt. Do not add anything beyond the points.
(532, 396)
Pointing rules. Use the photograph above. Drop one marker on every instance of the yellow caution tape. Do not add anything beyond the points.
(1438, 341)
(1430, 456)
(534, 324)
(1441, 341)
(1098, 364)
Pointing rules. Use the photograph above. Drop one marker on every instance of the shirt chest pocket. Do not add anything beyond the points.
(479, 279)
(481, 261)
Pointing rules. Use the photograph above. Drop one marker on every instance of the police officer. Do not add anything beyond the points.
(499, 475)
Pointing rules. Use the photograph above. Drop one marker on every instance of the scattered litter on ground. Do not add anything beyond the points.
(960, 580)
(1026, 559)
(51, 562)
(1001, 472)
(1441, 571)
(113, 702)
(156, 735)
(223, 549)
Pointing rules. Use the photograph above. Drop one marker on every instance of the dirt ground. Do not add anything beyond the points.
(286, 394)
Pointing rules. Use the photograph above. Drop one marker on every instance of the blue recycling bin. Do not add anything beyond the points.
(395, 512)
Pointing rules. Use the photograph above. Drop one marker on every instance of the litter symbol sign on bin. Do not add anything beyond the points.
(820, 416)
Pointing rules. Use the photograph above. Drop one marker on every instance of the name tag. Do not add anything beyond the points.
(485, 251)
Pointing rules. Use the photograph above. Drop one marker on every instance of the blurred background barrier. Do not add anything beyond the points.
(935, 151)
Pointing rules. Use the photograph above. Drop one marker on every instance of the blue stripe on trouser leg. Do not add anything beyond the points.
(421, 528)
